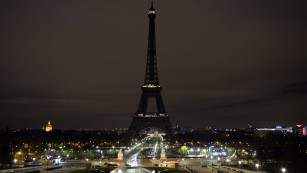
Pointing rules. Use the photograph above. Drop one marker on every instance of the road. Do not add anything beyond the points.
(196, 165)
(42, 169)
(191, 165)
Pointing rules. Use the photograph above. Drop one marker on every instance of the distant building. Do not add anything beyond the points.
(277, 129)
(218, 150)
(249, 127)
(299, 130)
(48, 127)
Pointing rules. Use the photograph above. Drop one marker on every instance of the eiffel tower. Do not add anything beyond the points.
(143, 119)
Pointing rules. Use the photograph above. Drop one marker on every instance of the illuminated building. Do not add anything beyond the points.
(299, 130)
(277, 129)
(218, 150)
(48, 127)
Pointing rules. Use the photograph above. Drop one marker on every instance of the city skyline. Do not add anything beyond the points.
(223, 64)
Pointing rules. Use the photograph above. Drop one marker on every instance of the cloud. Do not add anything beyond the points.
(296, 88)
(25, 100)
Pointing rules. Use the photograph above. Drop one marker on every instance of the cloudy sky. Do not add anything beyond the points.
(81, 64)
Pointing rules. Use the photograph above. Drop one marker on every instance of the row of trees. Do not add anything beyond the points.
(276, 149)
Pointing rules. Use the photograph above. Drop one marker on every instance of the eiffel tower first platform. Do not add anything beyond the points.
(151, 89)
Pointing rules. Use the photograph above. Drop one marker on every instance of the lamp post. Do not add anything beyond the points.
(283, 170)
(113, 151)
(47, 158)
(33, 163)
(166, 151)
(15, 161)
(240, 164)
(47, 162)
(257, 165)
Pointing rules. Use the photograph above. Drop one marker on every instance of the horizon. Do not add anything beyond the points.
(174, 126)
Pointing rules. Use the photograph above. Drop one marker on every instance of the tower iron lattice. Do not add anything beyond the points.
(151, 89)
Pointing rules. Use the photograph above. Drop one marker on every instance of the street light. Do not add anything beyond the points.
(219, 162)
(283, 170)
(15, 161)
(47, 162)
(166, 152)
(240, 164)
(113, 150)
(33, 163)
(257, 165)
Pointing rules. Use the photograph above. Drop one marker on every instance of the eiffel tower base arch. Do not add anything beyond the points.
(139, 123)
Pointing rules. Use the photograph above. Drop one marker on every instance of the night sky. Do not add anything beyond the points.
(81, 64)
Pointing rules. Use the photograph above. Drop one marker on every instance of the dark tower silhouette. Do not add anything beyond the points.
(151, 89)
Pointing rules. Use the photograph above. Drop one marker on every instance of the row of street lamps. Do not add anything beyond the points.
(283, 170)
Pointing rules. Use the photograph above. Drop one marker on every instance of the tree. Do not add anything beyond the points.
(184, 150)
(5, 155)
(231, 151)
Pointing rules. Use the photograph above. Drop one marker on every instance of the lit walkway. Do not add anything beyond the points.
(42, 169)
(214, 169)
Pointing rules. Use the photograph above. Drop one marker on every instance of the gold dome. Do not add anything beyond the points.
(48, 127)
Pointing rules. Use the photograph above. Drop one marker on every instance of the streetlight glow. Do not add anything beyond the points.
(240, 164)
(257, 165)
(283, 170)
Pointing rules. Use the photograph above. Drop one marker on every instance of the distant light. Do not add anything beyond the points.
(283, 170)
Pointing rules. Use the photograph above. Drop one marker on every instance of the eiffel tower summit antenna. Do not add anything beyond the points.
(143, 119)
